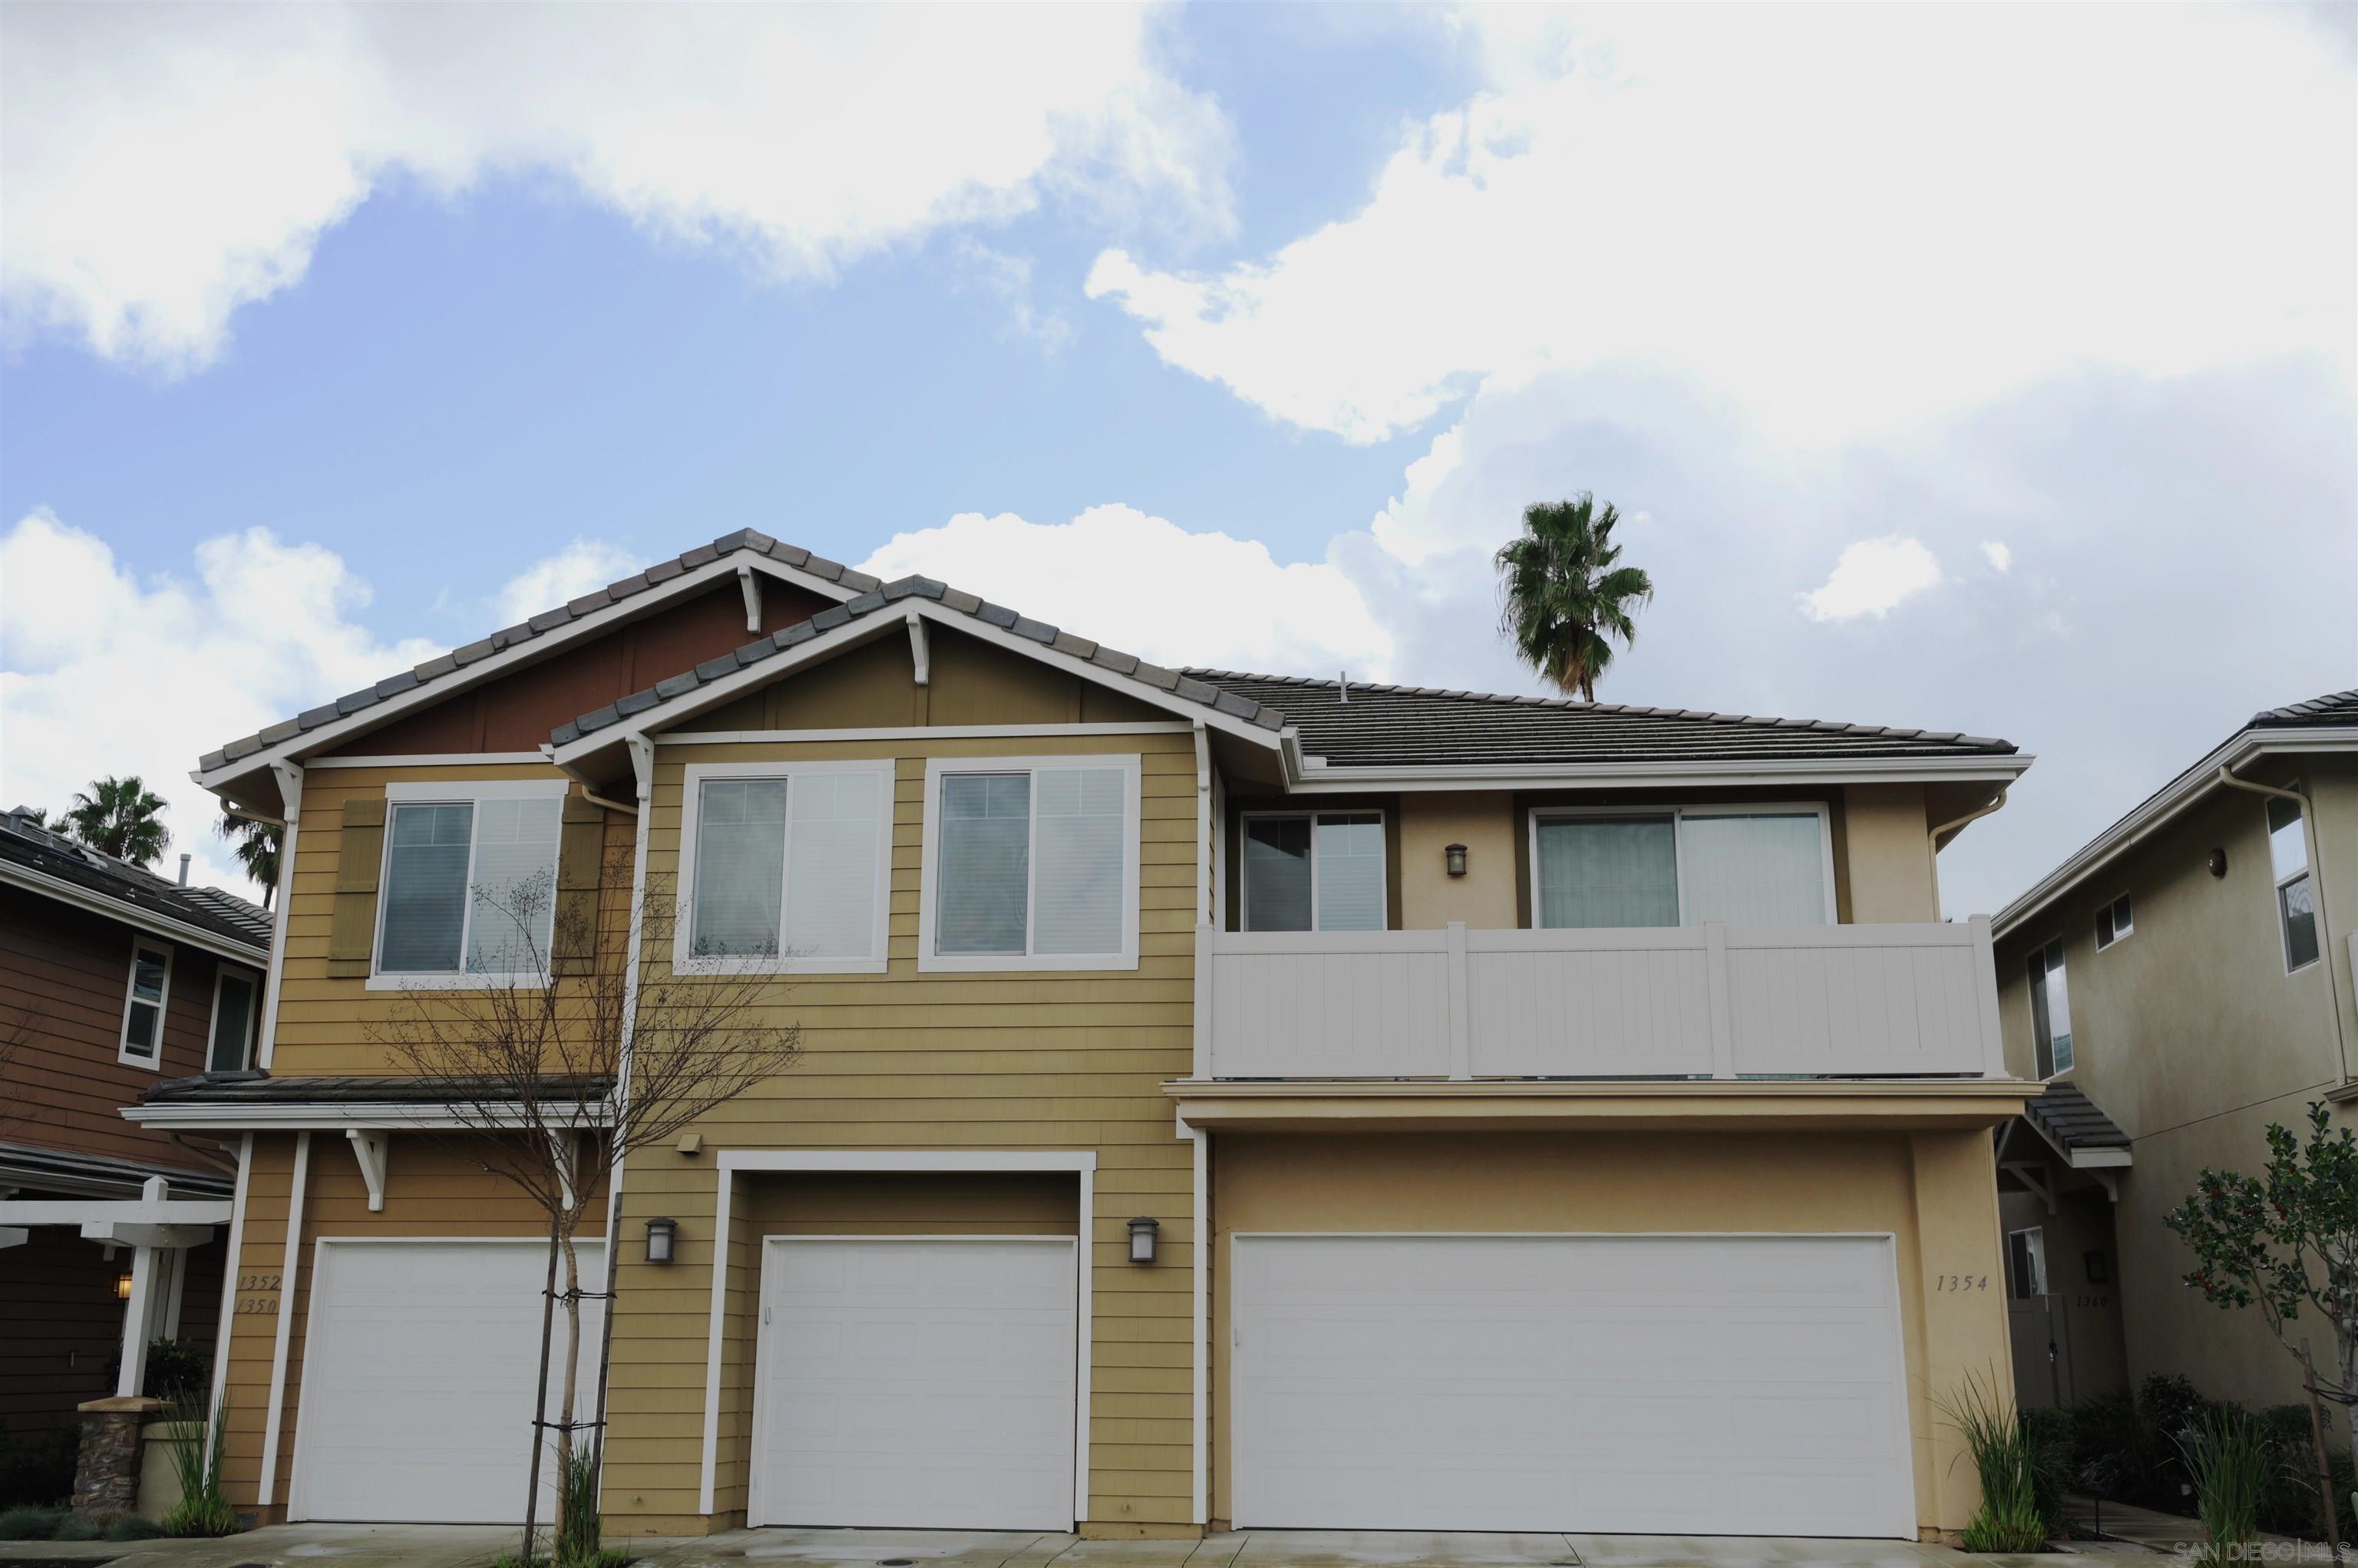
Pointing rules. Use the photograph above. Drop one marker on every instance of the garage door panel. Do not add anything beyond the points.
(918, 1382)
(1670, 1384)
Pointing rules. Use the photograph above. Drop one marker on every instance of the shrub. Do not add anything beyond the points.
(37, 1468)
(131, 1527)
(2229, 1461)
(202, 1509)
(2008, 1453)
(29, 1524)
(174, 1368)
(77, 1527)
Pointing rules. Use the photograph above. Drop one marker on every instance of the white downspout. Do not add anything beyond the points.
(1200, 1221)
(1934, 839)
(2317, 885)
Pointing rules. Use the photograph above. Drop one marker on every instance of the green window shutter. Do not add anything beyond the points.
(360, 859)
(580, 859)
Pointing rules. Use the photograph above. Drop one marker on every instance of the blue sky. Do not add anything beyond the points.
(1238, 334)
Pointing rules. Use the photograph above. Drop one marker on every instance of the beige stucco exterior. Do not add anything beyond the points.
(2191, 1036)
(937, 1066)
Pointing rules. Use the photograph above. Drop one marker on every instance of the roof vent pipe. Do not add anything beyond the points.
(184, 870)
(1343, 682)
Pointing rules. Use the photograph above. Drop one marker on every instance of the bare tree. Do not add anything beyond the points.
(558, 1068)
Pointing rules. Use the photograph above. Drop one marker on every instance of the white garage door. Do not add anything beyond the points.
(920, 1382)
(1682, 1385)
(419, 1363)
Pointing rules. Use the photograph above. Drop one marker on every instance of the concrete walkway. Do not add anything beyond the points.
(2149, 1529)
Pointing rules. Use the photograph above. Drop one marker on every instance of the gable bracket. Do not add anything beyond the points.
(919, 651)
(751, 585)
(371, 1147)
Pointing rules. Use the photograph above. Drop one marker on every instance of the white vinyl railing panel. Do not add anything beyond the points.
(1708, 1001)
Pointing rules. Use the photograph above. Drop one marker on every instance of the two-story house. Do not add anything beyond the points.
(111, 980)
(1222, 1098)
(2179, 983)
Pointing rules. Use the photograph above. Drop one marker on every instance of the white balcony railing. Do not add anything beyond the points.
(1708, 1001)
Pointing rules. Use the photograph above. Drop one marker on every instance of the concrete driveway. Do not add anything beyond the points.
(455, 1546)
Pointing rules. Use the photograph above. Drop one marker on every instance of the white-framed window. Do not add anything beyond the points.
(2051, 1011)
(784, 866)
(149, 986)
(237, 1013)
(1314, 870)
(2026, 1263)
(1744, 865)
(2115, 922)
(1030, 863)
(2296, 892)
(468, 891)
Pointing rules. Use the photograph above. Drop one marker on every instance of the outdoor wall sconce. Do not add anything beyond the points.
(2218, 862)
(1456, 856)
(1142, 1233)
(123, 1286)
(2099, 1272)
(661, 1233)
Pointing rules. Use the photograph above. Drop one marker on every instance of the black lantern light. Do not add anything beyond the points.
(661, 1234)
(1142, 1232)
(1455, 855)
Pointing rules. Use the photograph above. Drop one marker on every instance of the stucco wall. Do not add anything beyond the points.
(1932, 1192)
(1484, 898)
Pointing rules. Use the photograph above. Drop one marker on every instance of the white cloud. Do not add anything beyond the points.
(1144, 585)
(167, 163)
(2008, 193)
(110, 673)
(581, 566)
(1008, 279)
(1871, 578)
(1998, 554)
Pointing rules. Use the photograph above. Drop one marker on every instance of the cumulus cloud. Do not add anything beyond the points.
(112, 671)
(1842, 250)
(1871, 578)
(1148, 587)
(581, 566)
(1996, 552)
(167, 164)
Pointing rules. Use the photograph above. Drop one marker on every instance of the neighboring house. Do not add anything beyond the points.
(111, 980)
(1223, 1097)
(2181, 982)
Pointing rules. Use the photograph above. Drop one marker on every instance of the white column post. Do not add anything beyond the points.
(265, 1493)
(141, 1307)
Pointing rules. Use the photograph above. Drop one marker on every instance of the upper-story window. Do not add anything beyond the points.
(2026, 1263)
(2050, 1011)
(2296, 895)
(1764, 865)
(1313, 871)
(785, 866)
(2114, 921)
(142, 1044)
(470, 881)
(237, 1009)
(1031, 863)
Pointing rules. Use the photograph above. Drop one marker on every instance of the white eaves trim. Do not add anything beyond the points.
(158, 925)
(2160, 809)
(1321, 779)
(334, 1116)
(724, 567)
(867, 628)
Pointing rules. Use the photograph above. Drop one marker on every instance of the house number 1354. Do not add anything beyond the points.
(1962, 1283)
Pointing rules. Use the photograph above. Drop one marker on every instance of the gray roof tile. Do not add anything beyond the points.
(2070, 1118)
(134, 888)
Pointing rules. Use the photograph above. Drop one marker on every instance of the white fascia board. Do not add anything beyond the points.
(2160, 809)
(866, 628)
(1320, 779)
(329, 1115)
(295, 747)
(138, 919)
(2100, 1159)
(114, 1211)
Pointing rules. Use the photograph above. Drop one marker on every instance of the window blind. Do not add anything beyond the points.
(739, 861)
(1754, 870)
(515, 887)
(1607, 871)
(1078, 831)
(984, 900)
(425, 894)
(1277, 873)
(1351, 867)
(836, 835)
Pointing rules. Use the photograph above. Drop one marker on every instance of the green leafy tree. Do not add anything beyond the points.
(2286, 1242)
(122, 817)
(256, 847)
(1566, 597)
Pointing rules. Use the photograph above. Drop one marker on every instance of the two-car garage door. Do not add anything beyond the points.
(1662, 1384)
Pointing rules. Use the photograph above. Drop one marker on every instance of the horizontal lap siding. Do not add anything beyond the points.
(937, 1062)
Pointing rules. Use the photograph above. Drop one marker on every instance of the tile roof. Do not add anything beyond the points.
(257, 1088)
(1392, 726)
(223, 914)
(882, 597)
(443, 666)
(2070, 1120)
(2333, 707)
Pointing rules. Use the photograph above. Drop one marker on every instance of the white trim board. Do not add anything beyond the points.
(466, 677)
(161, 926)
(730, 1162)
(233, 1261)
(433, 760)
(1321, 778)
(332, 1116)
(918, 732)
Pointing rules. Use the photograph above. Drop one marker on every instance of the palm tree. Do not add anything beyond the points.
(120, 818)
(257, 847)
(1563, 600)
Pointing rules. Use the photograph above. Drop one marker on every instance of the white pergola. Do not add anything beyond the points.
(151, 1225)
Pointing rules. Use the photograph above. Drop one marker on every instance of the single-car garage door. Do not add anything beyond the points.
(418, 1367)
(916, 1382)
(1656, 1384)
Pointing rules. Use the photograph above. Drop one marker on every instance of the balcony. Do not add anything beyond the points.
(1710, 1003)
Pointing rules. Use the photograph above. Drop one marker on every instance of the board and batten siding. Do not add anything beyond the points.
(1024, 1060)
